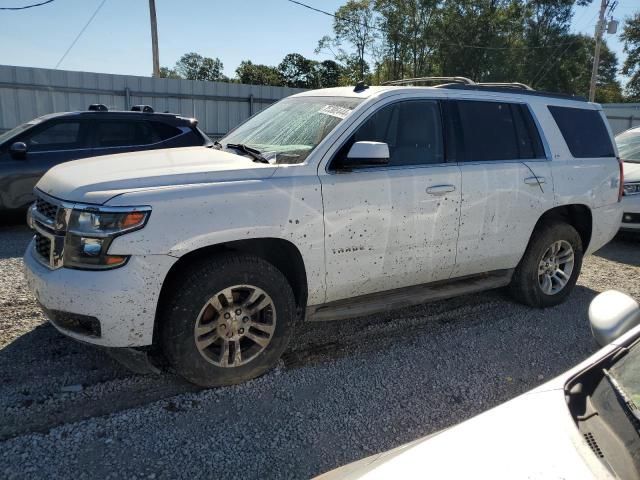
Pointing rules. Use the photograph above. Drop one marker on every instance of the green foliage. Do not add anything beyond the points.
(631, 67)
(255, 74)
(194, 66)
(166, 72)
(486, 40)
(355, 25)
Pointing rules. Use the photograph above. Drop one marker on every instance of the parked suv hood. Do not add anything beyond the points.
(97, 179)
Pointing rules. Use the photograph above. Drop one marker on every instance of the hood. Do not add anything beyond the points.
(631, 172)
(97, 179)
(530, 437)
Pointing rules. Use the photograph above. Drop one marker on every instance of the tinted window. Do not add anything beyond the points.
(124, 134)
(54, 136)
(164, 131)
(584, 131)
(411, 129)
(488, 132)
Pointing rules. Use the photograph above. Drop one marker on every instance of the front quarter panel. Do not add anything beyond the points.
(187, 218)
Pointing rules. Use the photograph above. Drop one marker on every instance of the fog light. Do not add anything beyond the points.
(91, 246)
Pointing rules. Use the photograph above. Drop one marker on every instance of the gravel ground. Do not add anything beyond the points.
(341, 392)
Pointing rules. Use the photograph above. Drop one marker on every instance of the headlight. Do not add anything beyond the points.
(631, 188)
(91, 231)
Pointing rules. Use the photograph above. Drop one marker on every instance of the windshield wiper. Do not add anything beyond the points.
(252, 152)
(626, 399)
(216, 144)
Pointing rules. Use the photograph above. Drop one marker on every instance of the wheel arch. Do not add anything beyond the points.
(577, 215)
(282, 254)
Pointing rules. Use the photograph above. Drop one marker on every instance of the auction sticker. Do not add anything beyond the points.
(335, 111)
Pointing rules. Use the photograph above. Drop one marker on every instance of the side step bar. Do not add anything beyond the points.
(405, 297)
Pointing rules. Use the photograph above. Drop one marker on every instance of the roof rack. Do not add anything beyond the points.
(410, 81)
(98, 107)
(513, 90)
(516, 85)
(142, 108)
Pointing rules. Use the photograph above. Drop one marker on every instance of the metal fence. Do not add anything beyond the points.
(27, 93)
(622, 116)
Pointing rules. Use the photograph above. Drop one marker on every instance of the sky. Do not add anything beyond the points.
(118, 40)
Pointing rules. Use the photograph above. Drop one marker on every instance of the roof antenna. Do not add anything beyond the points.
(360, 87)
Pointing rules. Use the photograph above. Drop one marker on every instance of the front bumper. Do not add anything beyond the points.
(631, 215)
(122, 300)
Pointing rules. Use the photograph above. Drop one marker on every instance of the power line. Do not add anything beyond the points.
(26, 6)
(478, 47)
(80, 34)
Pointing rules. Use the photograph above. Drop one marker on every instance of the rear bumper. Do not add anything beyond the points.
(606, 223)
(112, 308)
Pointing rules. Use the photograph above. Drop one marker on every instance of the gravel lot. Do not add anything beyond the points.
(342, 391)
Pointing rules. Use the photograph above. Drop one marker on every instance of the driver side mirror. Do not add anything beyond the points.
(18, 150)
(366, 154)
(611, 315)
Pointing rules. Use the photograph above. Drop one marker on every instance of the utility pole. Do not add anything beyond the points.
(154, 38)
(596, 54)
(611, 27)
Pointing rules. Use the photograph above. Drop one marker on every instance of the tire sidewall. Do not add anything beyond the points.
(541, 242)
(179, 322)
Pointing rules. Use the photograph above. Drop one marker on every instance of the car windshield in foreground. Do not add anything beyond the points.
(626, 373)
(288, 131)
(629, 146)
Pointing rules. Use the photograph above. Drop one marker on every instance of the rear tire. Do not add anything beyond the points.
(550, 266)
(230, 321)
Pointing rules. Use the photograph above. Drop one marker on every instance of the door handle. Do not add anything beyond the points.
(534, 180)
(440, 189)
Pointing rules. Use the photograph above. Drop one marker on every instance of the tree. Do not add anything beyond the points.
(255, 74)
(355, 24)
(166, 72)
(297, 71)
(194, 66)
(328, 74)
(631, 67)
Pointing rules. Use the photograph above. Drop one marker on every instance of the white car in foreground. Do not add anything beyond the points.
(583, 424)
(628, 143)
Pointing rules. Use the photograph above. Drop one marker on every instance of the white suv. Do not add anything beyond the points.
(329, 204)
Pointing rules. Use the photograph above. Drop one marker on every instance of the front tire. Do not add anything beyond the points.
(230, 321)
(550, 267)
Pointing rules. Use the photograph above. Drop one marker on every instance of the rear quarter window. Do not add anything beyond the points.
(584, 132)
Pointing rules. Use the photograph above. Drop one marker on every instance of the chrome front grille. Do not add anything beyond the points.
(48, 217)
(49, 210)
(43, 246)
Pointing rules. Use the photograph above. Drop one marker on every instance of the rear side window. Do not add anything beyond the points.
(488, 131)
(164, 131)
(584, 132)
(124, 134)
(412, 130)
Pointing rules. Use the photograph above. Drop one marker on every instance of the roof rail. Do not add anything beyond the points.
(142, 108)
(518, 85)
(409, 81)
(98, 107)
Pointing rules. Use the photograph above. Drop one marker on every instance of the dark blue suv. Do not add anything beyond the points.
(29, 150)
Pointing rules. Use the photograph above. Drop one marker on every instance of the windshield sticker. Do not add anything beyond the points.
(335, 111)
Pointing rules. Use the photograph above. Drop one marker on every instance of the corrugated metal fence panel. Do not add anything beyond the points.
(622, 116)
(27, 93)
